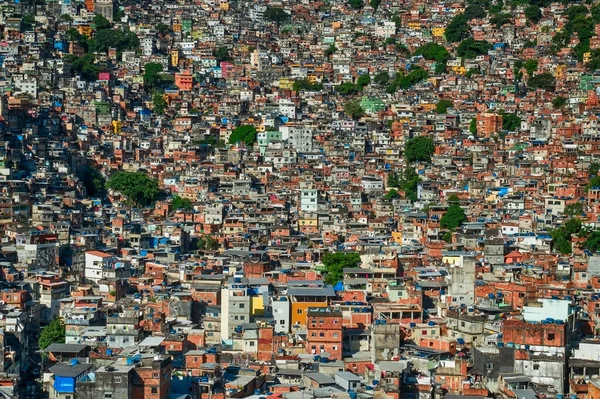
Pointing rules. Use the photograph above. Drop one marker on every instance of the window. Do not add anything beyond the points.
(551, 336)
(251, 343)
(424, 332)
(335, 335)
(322, 347)
(431, 343)
(242, 305)
(321, 334)
(536, 366)
(235, 317)
(321, 321)
(313, 334)
(462, 323)
(155, 374)
(282, 322)
(299, 311)
(490, 365)
(154, 390)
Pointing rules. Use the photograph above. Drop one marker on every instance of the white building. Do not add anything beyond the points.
(95, 264)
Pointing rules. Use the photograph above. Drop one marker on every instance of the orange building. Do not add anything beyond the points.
(488, 123)
(184, 81)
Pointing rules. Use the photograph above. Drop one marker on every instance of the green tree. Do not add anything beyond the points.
(152, 72)
(100, 22)
(181, 203)
(533, 14)
(510, 122)
(330, 50)
(363, 81)
(409, 182)
(53, 333)
(453, 199)
(433, 52)
(139, 188)
(544, 81)
(501, 19)
(454, 217)
(447, 237)
(346, 88)
(592, 242)
(419, 148)
(93, 181)
(393, 180)
(222, 54)
(390, 195)
(593, 183)
(375, 4)
(243, 134)
(27, 23)
(470, 48)
(574, 209)
(382, 78)
(119, 39)
(593, 169)
(474, 11)
(335, 263)
(531, 66)
(353, 109)
(65, 18)
(276, 14)
(356, 4)
(559, 102)
(201, 243)
(305, 84)
(163, 29)
(86, 66)
(561, 237)
(443, 105)
(457, 29)
(159, 103)
(473, 126)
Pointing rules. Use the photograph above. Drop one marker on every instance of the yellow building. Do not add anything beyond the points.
(224, 6)
(257, 306)
(414, 25)
(397, 237)
(438, 32)
(175, 57)
(587, 57)
(116, 126)
(286, 83)
(85, 30)
(561, 69)
(461, 70)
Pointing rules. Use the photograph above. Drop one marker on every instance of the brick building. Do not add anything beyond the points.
(324, 332)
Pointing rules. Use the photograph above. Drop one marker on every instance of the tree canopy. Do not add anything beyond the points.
(363, 81)
(454, 217)
(433, 52)
(335, 263)
(561, 237)
(93, 181)
(419, 148)
(559, 102)
(353, 109)
(443, 105)
(207, 242)
(382, 77)
(152, 72)
(181, 203)
(159, 103)
(53, 333)
(119, 39)
(533, 14)
(243, 134)
(138, 187)
(356, 4)
(471, 48)
(222, 54)
(510, 122)
(544, 81)
(457, 29)
(276, 14)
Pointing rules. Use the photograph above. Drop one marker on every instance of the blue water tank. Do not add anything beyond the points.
(413, 325)
(353, 394)
(74, 362)
(257, 391)
(109, 352)
(375, 382)
(431, 323)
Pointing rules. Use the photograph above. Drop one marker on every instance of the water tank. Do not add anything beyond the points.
(257, 391)
(109, 352)
(375, 382)
(74, 362)
(353, 394)
(412, 325)
(431, 323)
